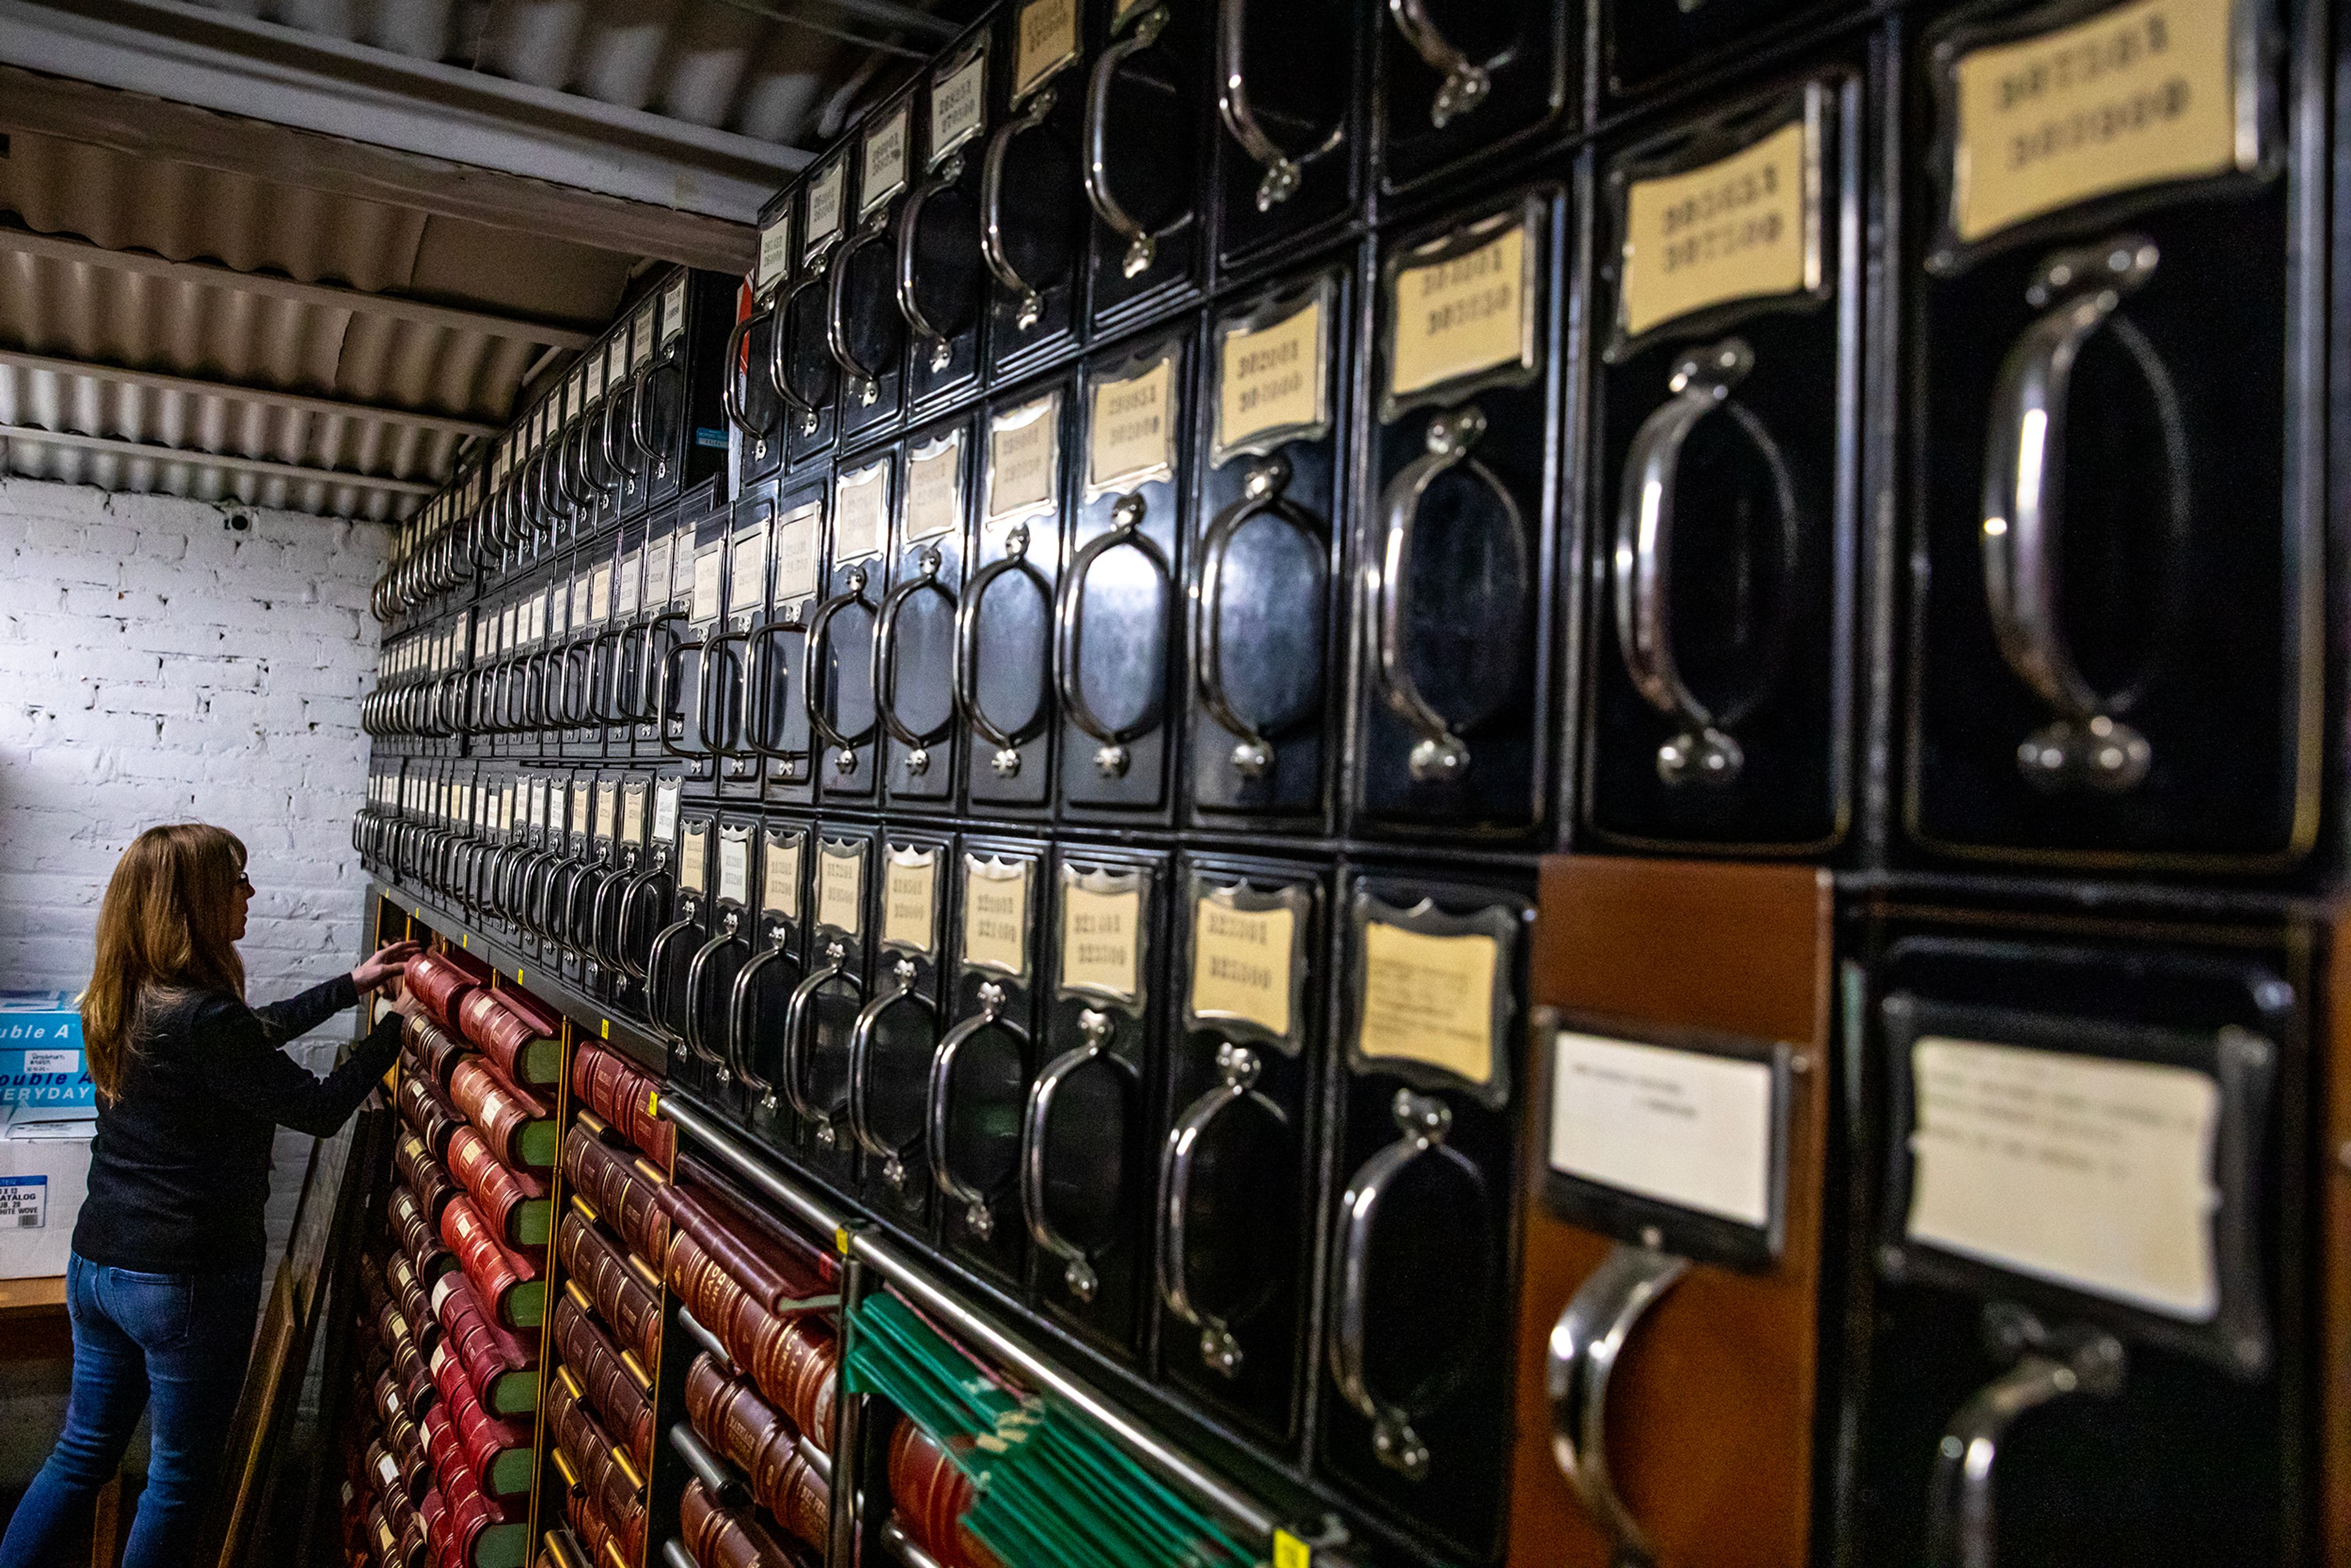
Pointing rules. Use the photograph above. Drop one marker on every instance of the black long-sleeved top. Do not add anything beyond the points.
(179, 1171)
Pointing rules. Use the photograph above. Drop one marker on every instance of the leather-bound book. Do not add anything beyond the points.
(514, 1204)
(931, 1497)
(520, 1131)
(732, 1418)
(730, 1244)
(439, 982)
(614, 1088)
(623, 1189)
(400, 1341)
(602, 1471)
(505, 1281)
(418, 1236)
(622, 1297)
(500, 1366)
(423, 1108)
(727, 1537)
(437, 1050)
(415, 1301)
(605, 1541)
(483, 1533)
(524, 1044)
(496, 1451)
(423, 1175)
(613, 1390)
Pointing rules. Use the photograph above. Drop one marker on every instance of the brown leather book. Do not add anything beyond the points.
(731, 1418)
(724, 1537)
(623, 1404)
(520, 1130)
(621, 1188)
(628, 1306)
(506, 1281)
(931, 1497)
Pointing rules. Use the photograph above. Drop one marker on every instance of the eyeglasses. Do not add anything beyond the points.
(244, 882)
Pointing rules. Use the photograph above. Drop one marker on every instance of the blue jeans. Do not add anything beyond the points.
(180, 1340)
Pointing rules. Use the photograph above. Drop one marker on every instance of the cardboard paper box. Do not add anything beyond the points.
(41, 1060)
(44, 1176)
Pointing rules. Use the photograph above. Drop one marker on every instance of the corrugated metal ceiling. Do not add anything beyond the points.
(108, 354)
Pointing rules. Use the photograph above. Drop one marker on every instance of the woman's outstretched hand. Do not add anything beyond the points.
(385, 966)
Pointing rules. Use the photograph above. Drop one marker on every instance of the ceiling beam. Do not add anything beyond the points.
(238, 392)
(327, 295)
(145, 452)
(144, 125)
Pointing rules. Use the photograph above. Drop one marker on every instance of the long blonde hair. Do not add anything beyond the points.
(167, 926)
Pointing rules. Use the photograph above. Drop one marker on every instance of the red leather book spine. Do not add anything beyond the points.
(500, 1114)
(503, 1033)
(440, 983)
(496, 1271)
(468, 1518)
(624, 1097)
(500, 1193)
(484, 1436)
(486, 1352)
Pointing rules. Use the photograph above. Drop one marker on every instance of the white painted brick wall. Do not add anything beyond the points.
(156, 666)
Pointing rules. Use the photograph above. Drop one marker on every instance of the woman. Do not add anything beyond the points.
(164, 1281)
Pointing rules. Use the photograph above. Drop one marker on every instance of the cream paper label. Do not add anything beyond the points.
(1454, 319)
(1098, 940)
(774, 254)
(861, 514)
(910, 903)
(665, 810)
(657, 570)
(824, 208)
(1024, 456)
(935, 488)
(1430, 999)
(674, 313)
(734, 867)
(882, 171)
(641, 335)
(600, 595)
(580, 805)
(996, 915)
(1132, 436)
(608, 804)
(632, 814)
(840, 889)
(1679, 1126)
(1739, 228)
(2094, 1174)
(746, 582)
(796, 552)
(958, 106)
(625, 589)
(1241, 962)
(693, 854)
(1049, 38)
(2136, 95)
(779, 883)
(1271, 377)
(709, 563)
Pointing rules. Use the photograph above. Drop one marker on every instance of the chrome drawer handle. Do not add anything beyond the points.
(2088, 744)
(1641, 564)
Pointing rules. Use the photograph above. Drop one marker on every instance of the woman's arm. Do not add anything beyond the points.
(230, 1048)
(296, 1016)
